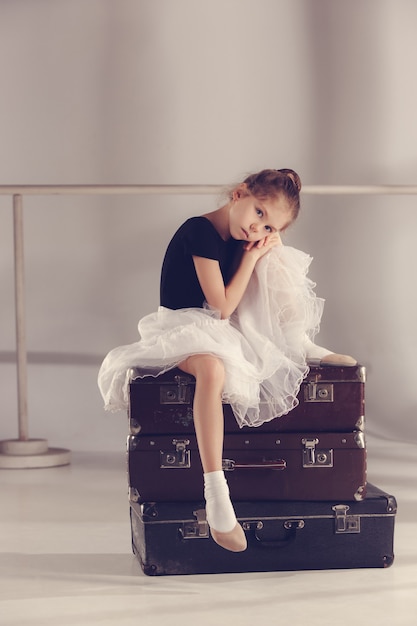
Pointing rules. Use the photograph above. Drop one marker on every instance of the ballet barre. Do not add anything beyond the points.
(323, 190)
(29, 453)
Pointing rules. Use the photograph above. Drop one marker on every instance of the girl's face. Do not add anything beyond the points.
(251, 219)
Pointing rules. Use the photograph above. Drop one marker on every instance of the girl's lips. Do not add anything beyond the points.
(245, 233)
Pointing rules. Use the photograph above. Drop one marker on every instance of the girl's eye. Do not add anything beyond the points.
(269, 229)
(259, 212)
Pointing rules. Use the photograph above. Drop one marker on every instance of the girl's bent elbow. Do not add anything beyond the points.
(225, 313)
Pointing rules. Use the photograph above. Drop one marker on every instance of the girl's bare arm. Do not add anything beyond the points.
(225, 298)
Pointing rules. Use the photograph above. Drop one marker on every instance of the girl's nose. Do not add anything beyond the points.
(254, 228)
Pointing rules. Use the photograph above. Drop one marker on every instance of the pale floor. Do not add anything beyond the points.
(66, 560)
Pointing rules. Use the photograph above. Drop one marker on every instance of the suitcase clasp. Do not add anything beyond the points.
(345, 524)
(318, 392)
(316, 458)
(180, 457)
(176, 394)
(198, 529)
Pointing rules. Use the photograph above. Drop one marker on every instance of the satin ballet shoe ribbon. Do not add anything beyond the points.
(234, 540)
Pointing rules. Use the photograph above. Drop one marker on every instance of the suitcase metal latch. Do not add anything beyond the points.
(316, 458)
(198, 529)
(180, 457)
(346, 524)
(176, 394)
(318, 392)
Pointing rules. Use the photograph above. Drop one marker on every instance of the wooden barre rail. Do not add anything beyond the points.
(324, 190)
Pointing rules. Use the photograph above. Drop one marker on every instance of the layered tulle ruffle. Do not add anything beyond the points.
(262, 345)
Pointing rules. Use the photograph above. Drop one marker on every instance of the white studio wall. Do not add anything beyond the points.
(186, 91)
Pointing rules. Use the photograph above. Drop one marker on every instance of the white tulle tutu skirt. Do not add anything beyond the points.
(262, 345)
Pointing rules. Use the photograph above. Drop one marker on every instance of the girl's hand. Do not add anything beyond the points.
(261, 247)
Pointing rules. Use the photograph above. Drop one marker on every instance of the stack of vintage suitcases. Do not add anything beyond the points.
(298, 483)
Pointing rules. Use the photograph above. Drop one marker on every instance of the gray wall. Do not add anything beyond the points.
(186, 91)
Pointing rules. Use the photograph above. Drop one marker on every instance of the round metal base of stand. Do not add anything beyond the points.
(30, 454)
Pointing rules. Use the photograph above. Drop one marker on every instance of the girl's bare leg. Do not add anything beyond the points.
(208, 371)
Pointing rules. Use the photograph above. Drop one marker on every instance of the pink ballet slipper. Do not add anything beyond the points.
(234, 540)
(317, 355)
(342, 360)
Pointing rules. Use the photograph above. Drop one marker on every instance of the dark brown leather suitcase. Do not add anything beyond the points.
(258, 466)
(174, 538)
(330, 399)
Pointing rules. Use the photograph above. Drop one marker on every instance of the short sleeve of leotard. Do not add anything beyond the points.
(201, 239)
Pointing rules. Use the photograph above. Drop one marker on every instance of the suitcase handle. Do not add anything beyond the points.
(229, 465)
(291, 527)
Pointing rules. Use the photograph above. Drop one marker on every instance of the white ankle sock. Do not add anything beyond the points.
(314, 352)
(219, 509)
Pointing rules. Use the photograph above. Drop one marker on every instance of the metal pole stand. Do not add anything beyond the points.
(25, 453)
(31, 453)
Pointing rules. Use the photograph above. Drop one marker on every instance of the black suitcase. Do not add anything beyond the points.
(174, 538)
(258, 466)
(330, 399)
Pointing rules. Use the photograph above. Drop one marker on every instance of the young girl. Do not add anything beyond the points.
(239, 314)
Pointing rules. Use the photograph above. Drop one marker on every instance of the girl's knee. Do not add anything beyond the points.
(206, 368)
(212, 369)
